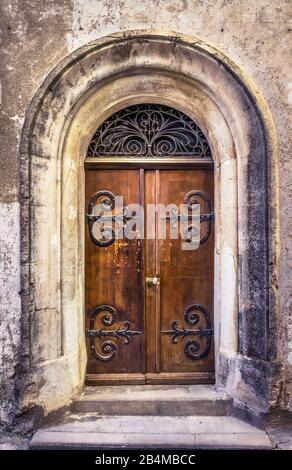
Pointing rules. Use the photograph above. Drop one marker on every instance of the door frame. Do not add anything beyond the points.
(108, 74)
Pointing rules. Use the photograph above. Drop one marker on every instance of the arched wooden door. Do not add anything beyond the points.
(149, 298)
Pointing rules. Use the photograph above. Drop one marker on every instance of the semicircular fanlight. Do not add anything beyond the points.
(149, 130)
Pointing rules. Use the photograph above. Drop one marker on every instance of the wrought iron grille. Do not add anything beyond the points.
(149, 130)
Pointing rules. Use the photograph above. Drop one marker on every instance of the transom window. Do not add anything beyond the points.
(149, 131)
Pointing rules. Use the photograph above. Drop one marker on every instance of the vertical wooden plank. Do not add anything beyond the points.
(186, 277)
(150, 254)
(157, 274)
(141, 268)
(113, 277)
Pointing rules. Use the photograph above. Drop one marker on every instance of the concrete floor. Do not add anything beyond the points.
(151, 416)
(91, 431)
(156, 400)
(10, 441)
(144, 416)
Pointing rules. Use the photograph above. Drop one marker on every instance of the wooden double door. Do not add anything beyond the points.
(149, 299)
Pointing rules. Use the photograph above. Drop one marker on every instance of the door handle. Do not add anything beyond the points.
(152, 281)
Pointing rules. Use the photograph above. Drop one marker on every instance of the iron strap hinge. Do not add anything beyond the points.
(186, 217)
(96, 218)
(118, 332)
(111, 218)
(205, 217)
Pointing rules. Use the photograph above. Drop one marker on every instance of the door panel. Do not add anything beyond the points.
(175, 343)
(186, 287)
(113, 280)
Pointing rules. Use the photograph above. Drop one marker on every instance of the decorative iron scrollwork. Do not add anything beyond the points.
(193, 315)
(108, 349)
(191, 198)
(105, 200)
(149, 130)
(197, 197)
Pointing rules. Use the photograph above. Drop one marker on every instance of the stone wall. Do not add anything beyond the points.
(36, 35)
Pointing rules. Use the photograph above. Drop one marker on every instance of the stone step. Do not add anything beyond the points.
(166, 400)
(92, 431)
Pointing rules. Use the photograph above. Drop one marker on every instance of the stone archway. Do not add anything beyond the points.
(79, 94)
